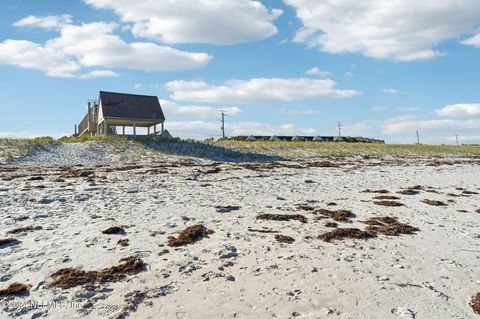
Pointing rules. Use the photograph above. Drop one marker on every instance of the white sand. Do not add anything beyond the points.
(431, 274)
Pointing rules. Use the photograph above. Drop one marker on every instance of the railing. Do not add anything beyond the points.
(83, 126)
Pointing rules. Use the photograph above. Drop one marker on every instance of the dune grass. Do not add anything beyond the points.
(112, 139)
(11, 148)
(314, 149)
(237, 150)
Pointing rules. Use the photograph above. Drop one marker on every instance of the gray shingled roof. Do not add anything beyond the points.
(131, 106)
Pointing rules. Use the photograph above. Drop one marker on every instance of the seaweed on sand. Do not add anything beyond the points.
(264, 231)
(475, 303)
(133, 300)
(409, 191)
(337, 215)
(282, 217)
(24, 229)
(114, 230)
(388, 226)
(284, 239)
(189, 235)
(433, 202)
(386, 197)
(378, 191)
(123, 242)
(305, 207)
(36, 178)
(331, 225)
(388, 203)
(70, 277)
(342, 233)
(14, 290)
(80, 173)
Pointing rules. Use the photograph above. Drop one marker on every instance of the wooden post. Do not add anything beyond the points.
(89, 117)
(148, 130)
(105, 127)
(155, 129)
(76, 130)
(162, 128)
(134, 129)
(123, 130)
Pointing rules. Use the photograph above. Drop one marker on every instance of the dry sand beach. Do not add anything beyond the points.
(90, 233)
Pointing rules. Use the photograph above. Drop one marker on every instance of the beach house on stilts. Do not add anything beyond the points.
(113, 112)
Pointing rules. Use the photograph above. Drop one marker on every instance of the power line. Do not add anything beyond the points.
(456, 136)
(340, 126)
(418, 138)
(223, 123)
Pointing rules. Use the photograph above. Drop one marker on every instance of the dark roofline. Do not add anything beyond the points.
(131, 106)
(110, 92)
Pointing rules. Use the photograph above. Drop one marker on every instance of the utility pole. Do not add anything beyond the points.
(418, 138)
(223, 124)
(340, 129)
(456, 136)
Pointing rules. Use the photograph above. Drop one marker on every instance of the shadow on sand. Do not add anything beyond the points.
(210, 152)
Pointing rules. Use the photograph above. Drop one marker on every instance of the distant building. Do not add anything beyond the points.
(120, 110)
(349, 139)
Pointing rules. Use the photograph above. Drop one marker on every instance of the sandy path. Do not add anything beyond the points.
(430, 274)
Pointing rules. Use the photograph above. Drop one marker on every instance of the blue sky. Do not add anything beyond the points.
(291, 67)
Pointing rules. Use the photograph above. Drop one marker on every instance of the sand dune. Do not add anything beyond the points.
(236, 263)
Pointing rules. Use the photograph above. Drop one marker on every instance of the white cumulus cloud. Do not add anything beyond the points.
(98, 74)
(257, 90)
(296, 112)
(443, 126)
(95, 45)
(200, 21)
(380, 108)
(30, 55)
(473, 41)
(390, 91)
(317, 71)
(54, 22)
(171, 108)
(401, 30)
(460, 110)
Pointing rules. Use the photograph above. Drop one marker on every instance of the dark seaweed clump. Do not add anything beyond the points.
(189, 235)
(72, 277)
(282, 217)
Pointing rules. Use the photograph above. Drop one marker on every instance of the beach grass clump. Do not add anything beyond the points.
(11, 148)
